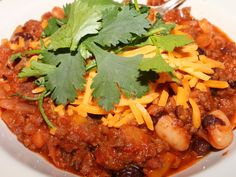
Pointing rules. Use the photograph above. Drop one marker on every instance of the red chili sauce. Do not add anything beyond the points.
(92, 149)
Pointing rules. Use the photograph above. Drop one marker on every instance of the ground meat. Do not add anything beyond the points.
(178, 16)
(33, 29)
(24, 35)
(5, 52)
(183, 114)
(226, 101)
(155, 2)
(129, 140)
(204, 101)
(156, 112)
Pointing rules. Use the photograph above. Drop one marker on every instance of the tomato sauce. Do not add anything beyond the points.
(89, 148)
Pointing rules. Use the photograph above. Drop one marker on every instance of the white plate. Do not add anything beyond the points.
(17, 161)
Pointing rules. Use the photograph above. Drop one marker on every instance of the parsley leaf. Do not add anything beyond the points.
(64, 81)
(171, 41)
(115, 73)
(84, 19)
(120, 26)
(157, 64)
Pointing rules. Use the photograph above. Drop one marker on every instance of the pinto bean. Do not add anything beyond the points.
(218, 129)
(168, 129)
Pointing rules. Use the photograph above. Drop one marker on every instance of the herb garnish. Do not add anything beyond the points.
(95, 30)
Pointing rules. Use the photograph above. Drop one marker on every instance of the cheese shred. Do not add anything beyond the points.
(196, 115)
(164, 98)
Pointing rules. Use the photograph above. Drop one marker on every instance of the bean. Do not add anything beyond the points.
(170, 131)
(130, 171)
(218, 129)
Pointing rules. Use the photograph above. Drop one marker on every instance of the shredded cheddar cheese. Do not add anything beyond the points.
(216, 84)
(60, 110)
(147, 118)
(193, 82)
(182, 97)
(211, 63)
(137, 113)
(39, 90)
(19, 45)
(196, 115)
(200, 86)
(164, 98)
(124, 120)
(144, 100)
(185, 83)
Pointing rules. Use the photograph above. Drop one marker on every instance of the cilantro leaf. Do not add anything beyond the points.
(62, 73)
(64, 81)
(161, 27)
(51, 58)
(142, 8)
(157, 64)
(171, 41)
(84, 19)
(84, 51)
(115, 73)
(120, 26)
(66, 9)
(52, 27)
(36, 69)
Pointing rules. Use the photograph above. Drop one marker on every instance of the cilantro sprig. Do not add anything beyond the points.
(95, 30)
(119, 26)
(110, 79)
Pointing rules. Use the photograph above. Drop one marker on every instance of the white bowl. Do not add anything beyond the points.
(17, 161)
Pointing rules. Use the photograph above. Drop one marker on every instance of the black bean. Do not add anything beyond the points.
(214, 92)
(232, 83)
(26, 36)
(4, 77)
(201, 51)
(200, 146)
(211, 120)
(130, 171)
(95, 116)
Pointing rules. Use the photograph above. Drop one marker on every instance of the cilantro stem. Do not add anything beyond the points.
(20, 55)
(41, 109)
(92, 65)
(154, 31)
(40, 104)
(32, 52)
(26, 97)
(136, 5)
